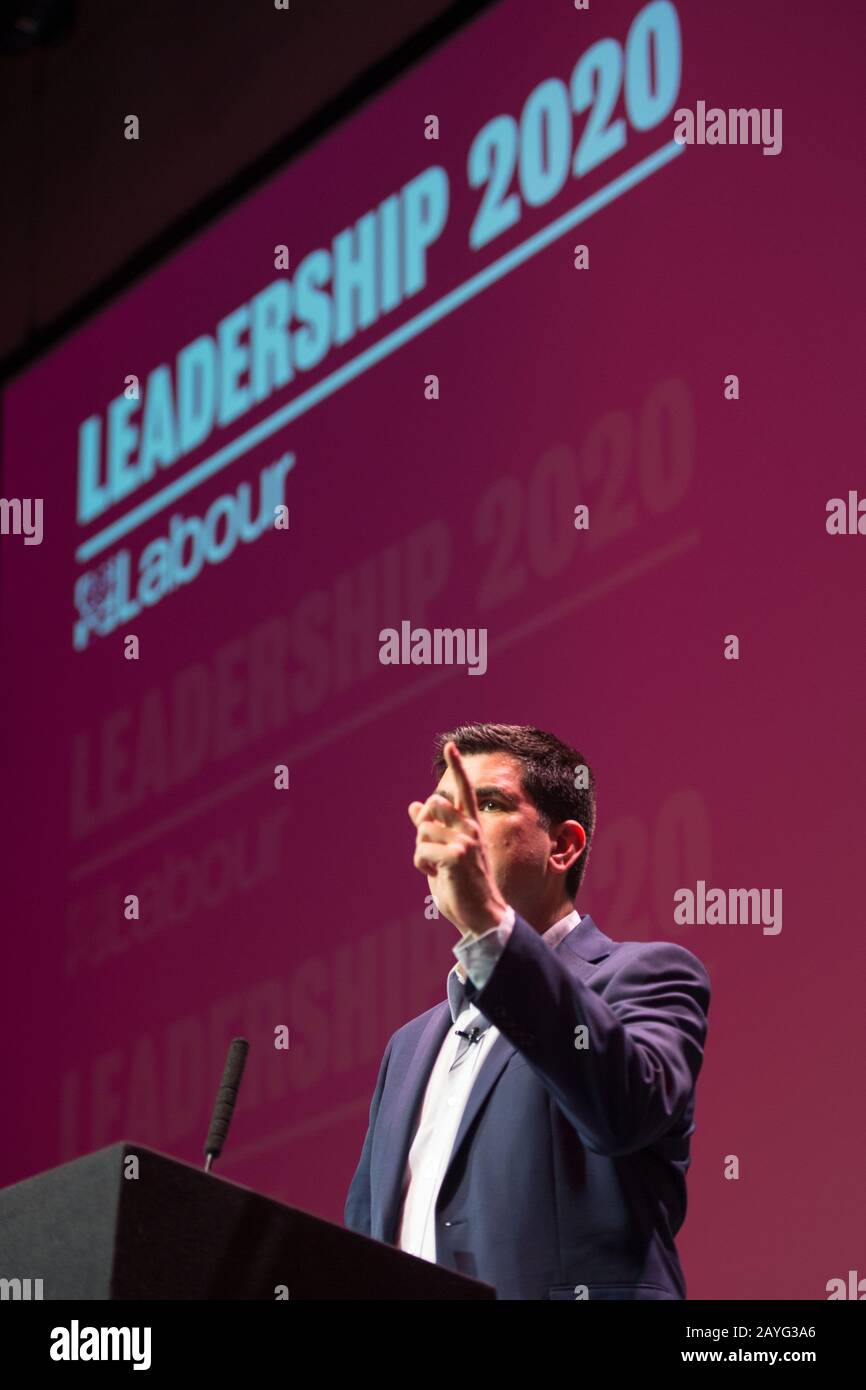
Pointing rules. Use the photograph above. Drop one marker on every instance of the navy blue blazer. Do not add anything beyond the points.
(569, 1166)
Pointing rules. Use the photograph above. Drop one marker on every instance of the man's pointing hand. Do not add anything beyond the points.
(450, 849)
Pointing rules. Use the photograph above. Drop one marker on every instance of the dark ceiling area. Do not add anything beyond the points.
(222, 89)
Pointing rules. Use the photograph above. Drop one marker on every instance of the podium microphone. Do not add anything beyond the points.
(225, 1101)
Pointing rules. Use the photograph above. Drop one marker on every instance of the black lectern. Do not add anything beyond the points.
(92, 1230)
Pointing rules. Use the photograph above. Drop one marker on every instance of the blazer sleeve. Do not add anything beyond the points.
(356, 1214)
(644, 1038)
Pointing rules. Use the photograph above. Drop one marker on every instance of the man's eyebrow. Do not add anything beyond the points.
(483, 791)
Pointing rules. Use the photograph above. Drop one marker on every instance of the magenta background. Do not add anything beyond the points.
(725, 261)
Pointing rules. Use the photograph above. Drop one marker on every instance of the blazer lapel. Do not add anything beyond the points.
(403, 1111)
(500, 1051)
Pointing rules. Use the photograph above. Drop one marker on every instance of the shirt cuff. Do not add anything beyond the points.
(478, 954)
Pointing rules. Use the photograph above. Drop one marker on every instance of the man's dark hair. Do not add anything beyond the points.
(548, 776)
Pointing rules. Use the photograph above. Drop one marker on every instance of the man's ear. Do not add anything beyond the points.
(570, 841)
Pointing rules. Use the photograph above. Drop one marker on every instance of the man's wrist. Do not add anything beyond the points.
(493, 915)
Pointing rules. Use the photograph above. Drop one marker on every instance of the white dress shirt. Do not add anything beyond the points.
(454, 1071)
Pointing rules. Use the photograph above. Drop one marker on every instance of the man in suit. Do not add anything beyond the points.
(533, 1130)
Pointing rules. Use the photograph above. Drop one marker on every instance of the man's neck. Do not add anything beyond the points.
(543, 923)
(545, 918)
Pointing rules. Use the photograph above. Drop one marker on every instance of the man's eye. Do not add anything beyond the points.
(488, 801)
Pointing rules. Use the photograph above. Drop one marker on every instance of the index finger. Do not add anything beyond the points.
(465, 790)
